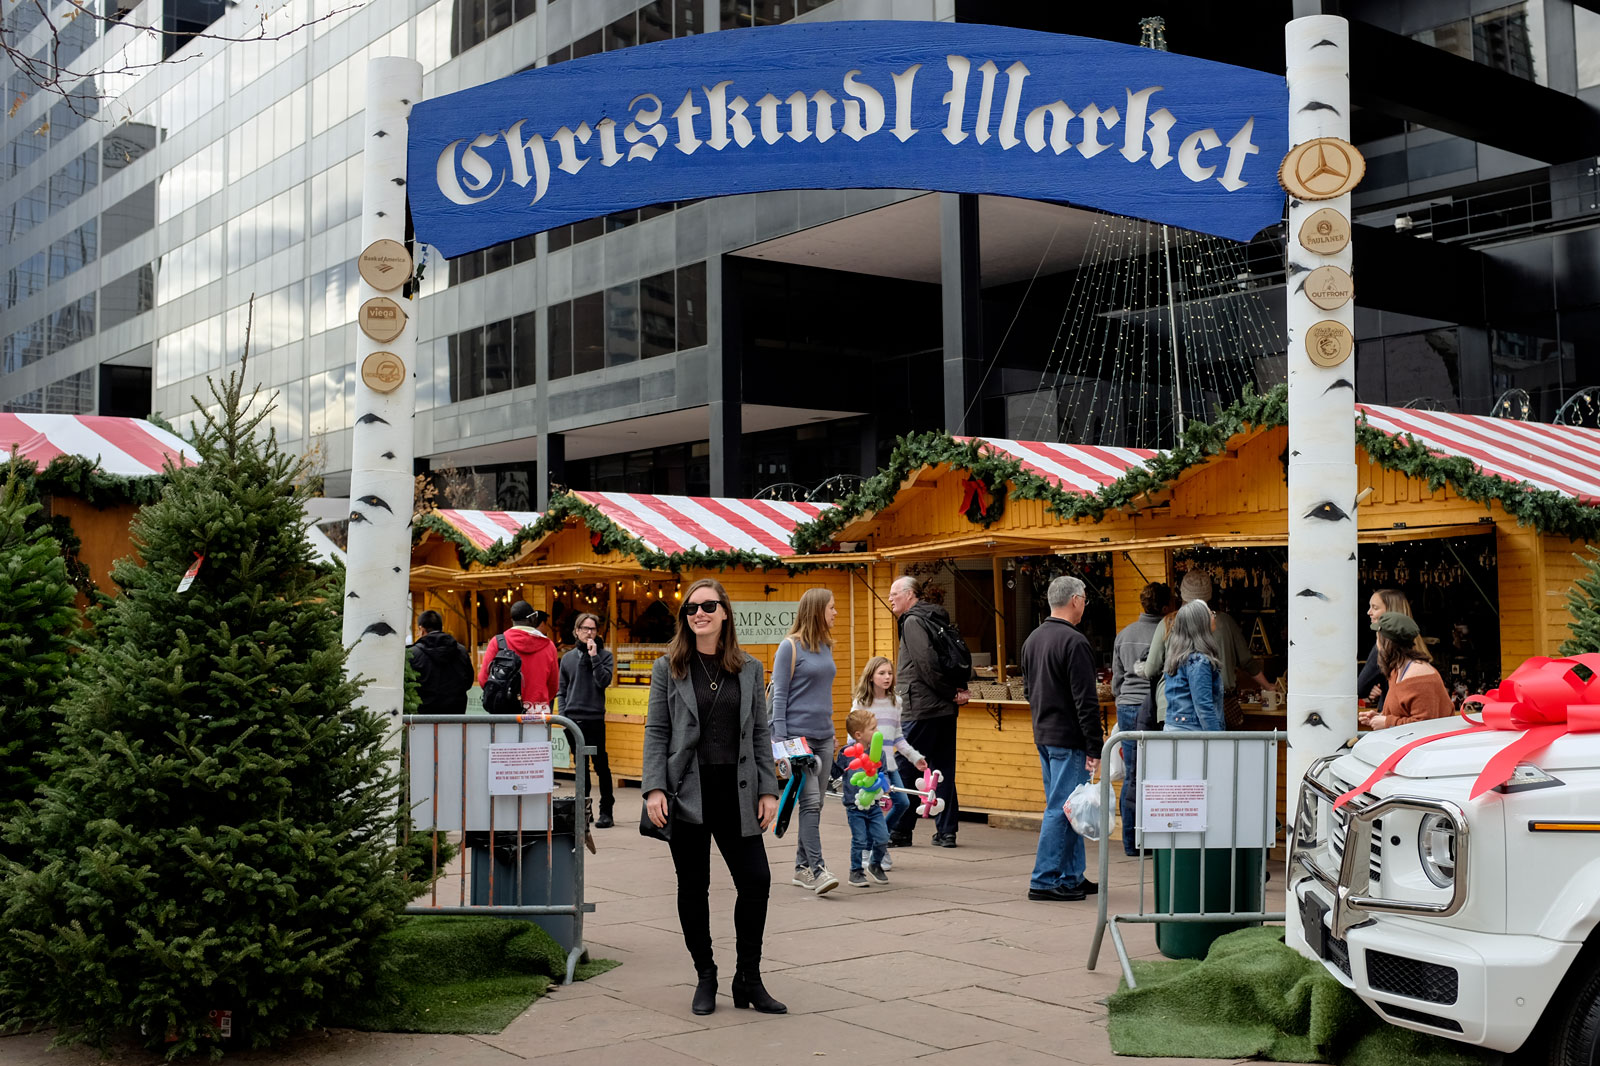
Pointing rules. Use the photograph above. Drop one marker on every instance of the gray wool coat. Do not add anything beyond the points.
(672, 736)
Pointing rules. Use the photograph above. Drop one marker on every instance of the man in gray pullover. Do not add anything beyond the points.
(1129, 688)
(585, 673)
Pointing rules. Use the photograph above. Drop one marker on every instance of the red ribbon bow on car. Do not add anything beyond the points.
(1543, 699)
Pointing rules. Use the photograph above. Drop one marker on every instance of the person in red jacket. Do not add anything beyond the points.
(541, 664)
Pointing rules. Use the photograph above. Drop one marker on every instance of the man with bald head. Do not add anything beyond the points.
(927, 707)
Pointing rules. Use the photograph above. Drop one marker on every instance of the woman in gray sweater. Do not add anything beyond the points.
(802, 706)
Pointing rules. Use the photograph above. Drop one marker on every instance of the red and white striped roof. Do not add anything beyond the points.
(1564, 459)
(485, 529)
(672, 524)
(127, 447)
(1074, 467)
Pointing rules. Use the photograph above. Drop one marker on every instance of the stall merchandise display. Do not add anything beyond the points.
(635, 661)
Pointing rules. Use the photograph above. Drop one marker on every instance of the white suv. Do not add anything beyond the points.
(1470, 919)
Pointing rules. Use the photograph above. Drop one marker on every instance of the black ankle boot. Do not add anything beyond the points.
(705, 993)
(604, 821)
(749, 992)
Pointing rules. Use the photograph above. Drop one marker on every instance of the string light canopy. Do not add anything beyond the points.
(1161, 327)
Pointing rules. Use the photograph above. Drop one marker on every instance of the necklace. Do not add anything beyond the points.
(712, 680)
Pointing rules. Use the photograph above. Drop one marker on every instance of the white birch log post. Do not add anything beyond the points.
(1324, 601)
(381, 447)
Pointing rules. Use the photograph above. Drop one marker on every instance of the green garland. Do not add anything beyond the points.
(78, 477)
(610, 538)
(1547, 511)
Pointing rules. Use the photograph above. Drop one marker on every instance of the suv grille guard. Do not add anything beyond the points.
(1351, 887)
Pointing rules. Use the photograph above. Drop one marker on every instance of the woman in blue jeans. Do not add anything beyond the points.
(1194, 671)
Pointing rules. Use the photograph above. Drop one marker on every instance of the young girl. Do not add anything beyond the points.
(875, 693)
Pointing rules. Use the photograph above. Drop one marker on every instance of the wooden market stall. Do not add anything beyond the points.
(1441, 513)
(628, 558)
(94, 472)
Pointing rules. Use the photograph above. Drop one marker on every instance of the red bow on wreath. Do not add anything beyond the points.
(1543, 699)
(973, 489)
(594, 540)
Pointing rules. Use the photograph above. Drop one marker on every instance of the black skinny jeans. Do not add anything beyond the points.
(594, 733)
(747, 862)
(936, 739)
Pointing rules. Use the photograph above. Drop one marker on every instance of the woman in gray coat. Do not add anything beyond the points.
(709, 775)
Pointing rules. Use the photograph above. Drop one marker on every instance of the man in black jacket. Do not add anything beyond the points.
(927, 707)
(1058, 674)
(585, 673)
(444, 671)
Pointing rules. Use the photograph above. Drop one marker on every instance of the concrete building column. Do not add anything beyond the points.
(959, 277)
(724, 384)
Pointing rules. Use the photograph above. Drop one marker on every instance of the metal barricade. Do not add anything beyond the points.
(1240, 771)
(447, 768)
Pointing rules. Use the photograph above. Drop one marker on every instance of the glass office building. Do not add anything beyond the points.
(208, 175)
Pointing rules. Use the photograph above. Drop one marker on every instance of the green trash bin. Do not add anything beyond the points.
(1180, 894)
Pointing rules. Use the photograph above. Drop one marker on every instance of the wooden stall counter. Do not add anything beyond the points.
(997, 761)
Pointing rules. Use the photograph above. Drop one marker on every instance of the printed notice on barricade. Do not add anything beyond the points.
(1172, 806)
(520, 769)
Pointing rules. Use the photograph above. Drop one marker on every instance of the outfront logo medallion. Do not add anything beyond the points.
(381, 319)
(1328, 343)
(383, 371)
(1321, 169)
(1329, 288)
(385, 265)
(1325, 231)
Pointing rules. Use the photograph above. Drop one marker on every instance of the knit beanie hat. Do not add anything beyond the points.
(1196, 586)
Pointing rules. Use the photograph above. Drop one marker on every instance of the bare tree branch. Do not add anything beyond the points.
(48, 73)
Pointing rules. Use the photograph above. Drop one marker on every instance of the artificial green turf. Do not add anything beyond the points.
(448, 974)
(1255, 997)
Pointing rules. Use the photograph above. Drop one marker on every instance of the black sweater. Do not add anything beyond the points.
(1059, 676)
(582, 689)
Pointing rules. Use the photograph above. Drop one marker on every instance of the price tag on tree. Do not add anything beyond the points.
(189, 574)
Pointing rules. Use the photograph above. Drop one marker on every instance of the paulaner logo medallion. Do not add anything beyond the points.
(1322, 169)
(383, 371)
(1325, 232)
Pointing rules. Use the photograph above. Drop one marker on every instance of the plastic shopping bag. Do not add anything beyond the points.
(1083, 810)
(1116, 769)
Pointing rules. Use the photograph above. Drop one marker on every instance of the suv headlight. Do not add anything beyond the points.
(1436, 847)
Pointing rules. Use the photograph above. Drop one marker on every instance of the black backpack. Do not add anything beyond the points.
(951, 659)
(502, 688)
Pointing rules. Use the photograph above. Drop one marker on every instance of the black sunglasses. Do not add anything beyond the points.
(708, 606)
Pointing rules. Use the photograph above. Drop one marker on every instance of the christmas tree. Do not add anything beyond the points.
(37, 620)
(220, 830)
(1583, 601)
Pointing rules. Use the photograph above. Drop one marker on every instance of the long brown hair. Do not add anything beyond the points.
(810, 629)
(1392, 655)
(682, 645)
(866, 689)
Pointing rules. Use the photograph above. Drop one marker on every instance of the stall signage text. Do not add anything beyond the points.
(836, 105)
(766, 622)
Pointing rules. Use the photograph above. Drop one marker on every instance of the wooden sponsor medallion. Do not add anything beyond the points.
(385, 265)
(1321, 169)
(383, 371)
(1329, 288)
(1328, 343)
(1325, 232)
(382, 319)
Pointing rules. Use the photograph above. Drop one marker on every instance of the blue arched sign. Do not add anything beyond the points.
(835, 105)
